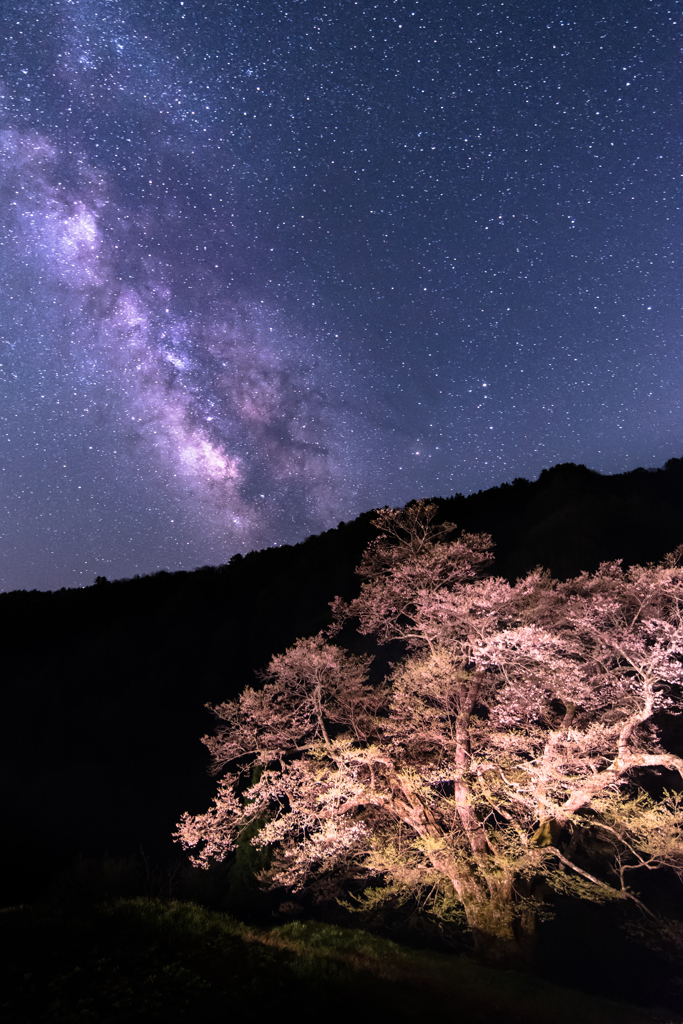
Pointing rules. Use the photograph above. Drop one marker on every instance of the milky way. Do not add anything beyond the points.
(266, 265)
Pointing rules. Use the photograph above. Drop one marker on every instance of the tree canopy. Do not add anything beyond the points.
(506, 753)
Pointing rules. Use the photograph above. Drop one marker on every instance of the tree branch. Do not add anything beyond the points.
(596, 881)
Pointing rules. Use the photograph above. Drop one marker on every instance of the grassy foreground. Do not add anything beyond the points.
(146, 960)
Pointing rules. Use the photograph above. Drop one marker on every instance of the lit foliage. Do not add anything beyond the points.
(506, 749)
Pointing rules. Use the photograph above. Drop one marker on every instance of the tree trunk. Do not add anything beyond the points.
(503, 932)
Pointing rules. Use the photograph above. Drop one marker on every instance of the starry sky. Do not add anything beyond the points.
(265, 265)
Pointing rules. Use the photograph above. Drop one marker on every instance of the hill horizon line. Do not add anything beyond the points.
(673, 466)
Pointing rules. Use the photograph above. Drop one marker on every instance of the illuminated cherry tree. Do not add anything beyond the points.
(509, 750)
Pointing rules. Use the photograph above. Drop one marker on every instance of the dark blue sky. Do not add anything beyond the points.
(266, 265)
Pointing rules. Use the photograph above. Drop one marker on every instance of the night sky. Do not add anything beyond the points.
(266, 265)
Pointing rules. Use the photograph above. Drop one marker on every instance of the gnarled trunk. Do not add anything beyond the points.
(503, 930)
(504, 934)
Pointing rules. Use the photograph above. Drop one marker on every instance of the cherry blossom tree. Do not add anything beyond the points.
(507, 752)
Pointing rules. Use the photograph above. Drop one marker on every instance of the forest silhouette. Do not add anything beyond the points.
(105, 687)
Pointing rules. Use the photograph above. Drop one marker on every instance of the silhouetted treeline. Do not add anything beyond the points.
(104, 687)
(572, 518)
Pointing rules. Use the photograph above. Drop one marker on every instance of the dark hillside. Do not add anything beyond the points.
(104, 687)
(572, 518)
